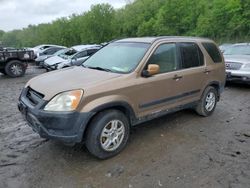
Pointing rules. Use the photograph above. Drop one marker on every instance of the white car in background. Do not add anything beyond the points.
(40, 48)
(223, 47)
(48, 52)
(75, 55)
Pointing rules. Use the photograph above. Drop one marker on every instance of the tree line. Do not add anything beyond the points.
(221, 20)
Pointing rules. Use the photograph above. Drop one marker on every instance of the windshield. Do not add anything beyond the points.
(62, 51)
(238, 50)
(68, 53)
(118, 57)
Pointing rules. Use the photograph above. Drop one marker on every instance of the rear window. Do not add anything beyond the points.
(213, 51)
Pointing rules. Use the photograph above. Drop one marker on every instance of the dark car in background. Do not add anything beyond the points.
(14, 62)
(237, 59)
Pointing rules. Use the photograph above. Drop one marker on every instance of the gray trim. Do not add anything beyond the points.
(164, 112)
(168, 99)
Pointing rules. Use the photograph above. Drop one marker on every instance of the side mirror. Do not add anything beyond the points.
(152, 70)
(73, 59)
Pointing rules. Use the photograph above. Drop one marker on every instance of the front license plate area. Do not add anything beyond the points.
(228, 74)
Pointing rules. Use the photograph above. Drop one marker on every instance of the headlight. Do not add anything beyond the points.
(26, 56)
(66, 101)
(246, 66)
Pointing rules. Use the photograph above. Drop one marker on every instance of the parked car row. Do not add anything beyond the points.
(75, 55)
(237, 60)
(58, 57)
(14, 62)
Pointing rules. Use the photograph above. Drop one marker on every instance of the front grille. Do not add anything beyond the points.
(34, 97)
(233, 66)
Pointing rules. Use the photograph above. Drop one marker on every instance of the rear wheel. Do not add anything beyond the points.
(208, 102)
(15, 68)
(108, 134)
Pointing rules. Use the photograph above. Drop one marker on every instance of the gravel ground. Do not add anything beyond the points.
(178, 150)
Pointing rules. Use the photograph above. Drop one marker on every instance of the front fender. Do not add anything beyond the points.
(96, 104)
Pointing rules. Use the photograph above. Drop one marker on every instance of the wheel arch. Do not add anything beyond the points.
(122, 106)
(218, 86)
(13, 59)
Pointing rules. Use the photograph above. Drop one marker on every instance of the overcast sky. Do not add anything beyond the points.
(16, 14)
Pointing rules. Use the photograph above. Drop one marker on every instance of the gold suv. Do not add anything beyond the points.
(127, 82)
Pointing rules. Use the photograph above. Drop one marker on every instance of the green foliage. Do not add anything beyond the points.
(1, 34)
(221, 20)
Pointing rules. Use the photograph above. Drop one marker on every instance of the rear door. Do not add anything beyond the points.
(193, 73)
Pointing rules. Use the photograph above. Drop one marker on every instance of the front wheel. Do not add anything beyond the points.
(108, 134)
(15, 68)
(208, 102)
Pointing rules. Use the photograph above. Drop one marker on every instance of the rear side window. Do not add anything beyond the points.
(191, 55)
(213, 51)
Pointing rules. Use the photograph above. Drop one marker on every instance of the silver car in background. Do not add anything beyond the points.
(237, 59)
(223, 47)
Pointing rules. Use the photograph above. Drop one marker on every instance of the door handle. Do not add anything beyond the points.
(206, 71)
(177, 77)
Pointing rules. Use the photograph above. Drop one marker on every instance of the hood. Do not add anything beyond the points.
(42, 57)
(67, 79)
(237, 58)
(54, 60)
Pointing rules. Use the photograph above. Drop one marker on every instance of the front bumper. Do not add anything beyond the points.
(49, 67)
(67, 127)
(39, 63)
(238, 76)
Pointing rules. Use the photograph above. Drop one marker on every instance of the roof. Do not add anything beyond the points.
(82, 47)
(241, 44)
(153, 39)
(51, 45)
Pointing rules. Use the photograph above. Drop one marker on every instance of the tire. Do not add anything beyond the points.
(207, 102)
(102, 135)
(15, 68)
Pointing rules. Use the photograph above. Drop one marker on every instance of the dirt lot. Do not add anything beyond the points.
(178, 150)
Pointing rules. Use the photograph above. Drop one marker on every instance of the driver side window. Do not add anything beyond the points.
(165, 56)
(81, 54)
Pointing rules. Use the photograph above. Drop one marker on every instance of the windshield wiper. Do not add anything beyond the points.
(99, 68)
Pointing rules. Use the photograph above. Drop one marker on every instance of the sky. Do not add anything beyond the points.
(17, 14)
